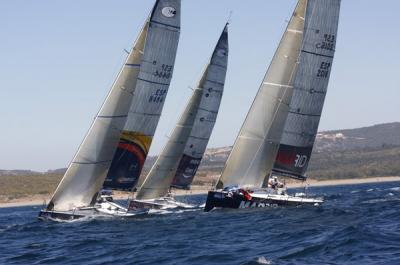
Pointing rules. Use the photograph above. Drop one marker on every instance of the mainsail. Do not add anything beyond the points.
(214, 80)
(152, 86)
(88, 169)
(310, 87)
(198, 118)
(255, 148)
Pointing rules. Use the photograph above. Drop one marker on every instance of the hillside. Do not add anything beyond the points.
(352, 153)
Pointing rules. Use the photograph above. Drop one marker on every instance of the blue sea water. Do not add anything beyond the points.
(358, 224)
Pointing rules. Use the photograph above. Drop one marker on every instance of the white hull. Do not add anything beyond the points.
(100, 210)
(163, 203)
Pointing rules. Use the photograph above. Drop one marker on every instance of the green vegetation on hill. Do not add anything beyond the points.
(373, 162)
(356, 153)
(14, 187)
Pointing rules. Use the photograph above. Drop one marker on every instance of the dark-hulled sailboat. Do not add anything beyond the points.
(279, 131)
(189, 139)
(141, 84)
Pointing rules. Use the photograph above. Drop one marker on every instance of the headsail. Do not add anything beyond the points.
(310, 87)
(88, 169)
(198, 118)
(214, 80)
(153, 82)
(255, 149)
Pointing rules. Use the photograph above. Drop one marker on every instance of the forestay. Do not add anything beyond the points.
(87, 171)
(255, 148)
(213, 84)
(153, 82)
(194, 126)
(310, 87)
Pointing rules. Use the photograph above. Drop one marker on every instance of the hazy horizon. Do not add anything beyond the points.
(60, 59)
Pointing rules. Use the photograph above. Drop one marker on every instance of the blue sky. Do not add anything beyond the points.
(59, 59)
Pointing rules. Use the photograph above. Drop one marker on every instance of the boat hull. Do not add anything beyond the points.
(222, 199)
(100, 210)
(158, 204)
(60, 215)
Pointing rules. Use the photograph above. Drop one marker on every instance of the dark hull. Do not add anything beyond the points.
(53, 215)
(222, 199)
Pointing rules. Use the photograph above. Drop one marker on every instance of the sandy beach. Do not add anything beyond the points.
(39, 200)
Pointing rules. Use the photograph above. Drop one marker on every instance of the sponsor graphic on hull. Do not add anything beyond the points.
(128, 161)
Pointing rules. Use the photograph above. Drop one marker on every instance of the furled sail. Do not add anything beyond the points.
(88, 169)
(310, 87)
(214, 80)
(255, 148)
(198, 118)
(152, 86)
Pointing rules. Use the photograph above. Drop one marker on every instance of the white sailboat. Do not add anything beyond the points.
(295, 73)
(191, 132)
(78, 191)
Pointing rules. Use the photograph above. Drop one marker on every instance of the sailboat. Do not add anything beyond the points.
(149, 66)
(190, 135)
(286, 108)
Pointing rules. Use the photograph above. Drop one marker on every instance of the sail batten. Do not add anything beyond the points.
(255, 147)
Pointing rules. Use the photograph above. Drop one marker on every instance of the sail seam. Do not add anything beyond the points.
(91, 163)
(152, 82)
(318, 54)
(275, 84)
(145, 113)
(211, 111)
(215, 82)
(164, 24)
(132, 64)
(305, 114)
(200, 138)
(111, 117)
(218, 65)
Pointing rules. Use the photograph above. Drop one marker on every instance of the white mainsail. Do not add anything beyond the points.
(89, 167)
(310, 87)
(152, 86)
(214, 80)
(256, 146)
(201, 108)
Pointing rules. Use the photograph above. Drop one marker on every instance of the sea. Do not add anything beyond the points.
(357, 224)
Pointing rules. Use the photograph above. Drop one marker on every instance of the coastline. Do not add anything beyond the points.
(39, 200)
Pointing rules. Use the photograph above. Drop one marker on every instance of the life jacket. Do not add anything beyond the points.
(246, 194)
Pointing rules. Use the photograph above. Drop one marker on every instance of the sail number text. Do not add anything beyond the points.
(300, 161)
(158, 96)
(165, 72)
(323, 70)
(328, 43)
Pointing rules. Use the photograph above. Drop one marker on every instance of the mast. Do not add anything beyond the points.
(214, 80)
(88, 169)
(255, 148)
(199, 113)
(152, 86)
(310, 87)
